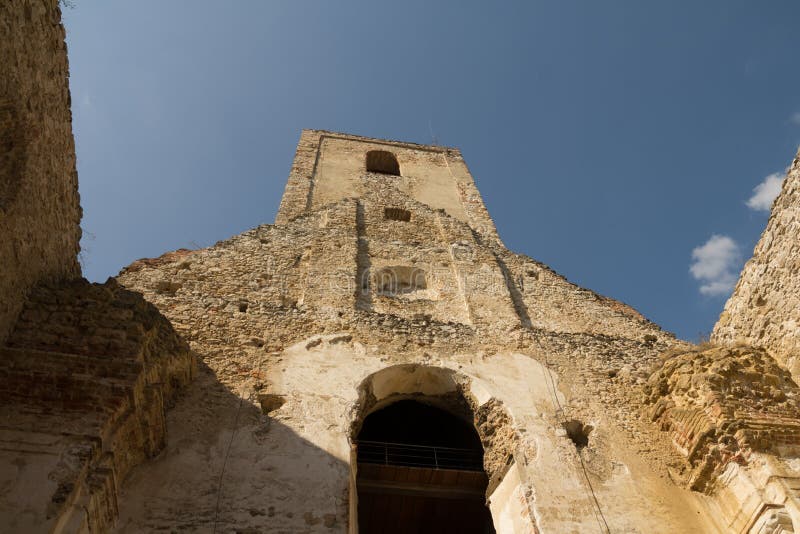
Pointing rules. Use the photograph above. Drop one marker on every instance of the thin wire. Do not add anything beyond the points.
(561, 417)
(604, 525)
(594, 495)
(225, 461)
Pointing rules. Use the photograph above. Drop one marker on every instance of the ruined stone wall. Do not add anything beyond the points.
(274, 285)
(86, 370)
(554, 304)
(734, 414)
(764, 309)
(39, 207)
(447, 238)
(85, 381)
(288, 323)
(721, 405)
(364, 275)
(732, 409)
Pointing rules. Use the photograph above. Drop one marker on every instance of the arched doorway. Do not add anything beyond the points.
(420, 470)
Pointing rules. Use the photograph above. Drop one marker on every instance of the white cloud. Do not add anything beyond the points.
(795, 118)
(715, 265)
(765, 192)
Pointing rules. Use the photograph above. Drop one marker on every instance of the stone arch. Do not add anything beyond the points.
(383, 162)
(448, 390)
(456, 393)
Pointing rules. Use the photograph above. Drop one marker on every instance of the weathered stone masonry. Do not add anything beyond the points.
(382, 280)
(84, 384)
(764, 309)
(39, 207)
(295, 318)
(297, 315)
(86, 370)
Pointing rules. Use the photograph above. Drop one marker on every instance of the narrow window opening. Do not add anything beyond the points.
(396, 214)
(383, 162)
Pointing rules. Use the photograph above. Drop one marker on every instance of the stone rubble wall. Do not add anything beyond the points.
(288, 321)
(308, 277)
(39, 205)
(86, 370)
(243, 303)
(764, 310)
(85, 380)
(554, 304)
(732, 410)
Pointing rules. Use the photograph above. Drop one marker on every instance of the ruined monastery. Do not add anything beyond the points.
(375, 361)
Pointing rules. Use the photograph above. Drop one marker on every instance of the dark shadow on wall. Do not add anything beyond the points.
(363, 267)
(515, 292)
(229, 467)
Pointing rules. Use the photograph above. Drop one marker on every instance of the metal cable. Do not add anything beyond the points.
(225, 462)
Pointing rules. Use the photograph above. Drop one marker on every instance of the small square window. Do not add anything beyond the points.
(396, 214)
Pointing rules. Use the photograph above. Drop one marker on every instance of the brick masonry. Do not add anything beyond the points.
(85, 380)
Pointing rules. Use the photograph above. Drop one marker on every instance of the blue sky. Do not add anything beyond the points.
(619, 142)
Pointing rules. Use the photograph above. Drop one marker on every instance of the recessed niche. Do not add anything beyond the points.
(578, 433)
(396, 214)
(399, 280)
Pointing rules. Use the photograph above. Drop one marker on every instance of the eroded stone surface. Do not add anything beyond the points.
(721, 405)
(764, 310)
(375, 285)
(39, 207)
(85, 381)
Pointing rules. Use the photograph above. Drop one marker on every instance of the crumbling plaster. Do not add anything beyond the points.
(322, 383)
